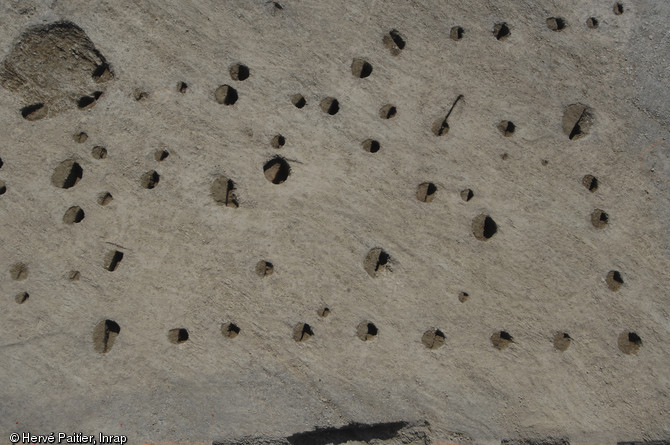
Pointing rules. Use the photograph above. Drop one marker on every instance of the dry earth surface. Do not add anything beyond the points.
(314, 222)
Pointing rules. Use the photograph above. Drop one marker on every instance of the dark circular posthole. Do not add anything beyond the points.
(366, 330)
(592, 22)
(239, 72)
(376, 261)
(599, 218)
(618, 8)
(507, 128)
(394, 41)
(34, 112)
(323, 312)
(330, 105)
(182, 87)
(112, 260)
(467, 195)
(161, 155)
(629, 342)
(302, 332)
(433, 338)
(105, 198)
(67, 174)
(501, 340)
(556, 23)
(590, 182)
(102, 73)
(614, 280)
(99, 152)
(361, 68)
(22, 297)
(226, 95)
(277, 170)
(230, 330)
(3, 187)
(298, 100)
(501, 31)
(463, 297)
(388, 111)
(484, 227)
(86, 102)
(456, 33)
(104, 335)
(150, 179)
(278, 141)
(370, 145)
(426, 191)
(178, 335)
(264, 268)
(562, 341)
(73, 215)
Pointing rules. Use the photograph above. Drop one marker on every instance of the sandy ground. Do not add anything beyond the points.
(189, 261)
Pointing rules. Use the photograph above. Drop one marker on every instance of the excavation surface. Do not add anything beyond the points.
(329, 222)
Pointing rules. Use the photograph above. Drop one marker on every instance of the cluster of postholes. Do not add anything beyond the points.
(106, 331)
(502, 30)
(276, 170)
(577, 121)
